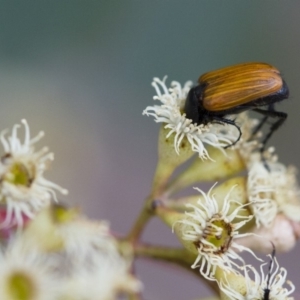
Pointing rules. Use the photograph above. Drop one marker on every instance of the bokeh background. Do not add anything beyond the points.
(81, 71)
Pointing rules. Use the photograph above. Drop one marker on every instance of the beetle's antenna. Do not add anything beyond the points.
(271, 264)
(267, 289)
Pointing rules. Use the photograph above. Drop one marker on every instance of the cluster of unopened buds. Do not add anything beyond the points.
(49, 251)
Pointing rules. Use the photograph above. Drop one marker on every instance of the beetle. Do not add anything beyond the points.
(234, 89)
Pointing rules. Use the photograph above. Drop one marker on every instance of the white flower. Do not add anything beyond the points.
(23, 188)
(25, 274)
(271, 283)
(83, 239)
(97, 269)
(287, 192)
(171, 113)
(260, 193)
(66, 231)
(211, 232)
(273, 191)
(108, 278)
(85, 255)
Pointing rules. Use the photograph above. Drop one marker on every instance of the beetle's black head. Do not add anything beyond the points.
(194, 106)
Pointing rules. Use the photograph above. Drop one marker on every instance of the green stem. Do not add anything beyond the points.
(178, 256)
(161, 176)
(140, 223)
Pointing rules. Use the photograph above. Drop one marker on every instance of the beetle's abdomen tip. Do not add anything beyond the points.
(285, 90)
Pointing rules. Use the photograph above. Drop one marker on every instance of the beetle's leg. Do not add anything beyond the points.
(259, 126)
(281, 116)
(231, 122)
(221, 120)
(262, 121)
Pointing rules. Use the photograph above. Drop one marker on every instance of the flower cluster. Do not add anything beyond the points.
(51, 252)
(48, 251)
(258, 195)
(63, 255)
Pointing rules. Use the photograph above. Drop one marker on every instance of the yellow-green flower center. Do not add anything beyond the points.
(219, 234)
(20, 287)
(19, 174)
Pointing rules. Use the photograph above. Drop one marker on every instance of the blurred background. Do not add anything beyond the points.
(82, 71)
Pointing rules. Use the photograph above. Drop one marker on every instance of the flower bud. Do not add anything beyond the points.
(168, 158)
(282, 234)
(44, 229)
(221, 166)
